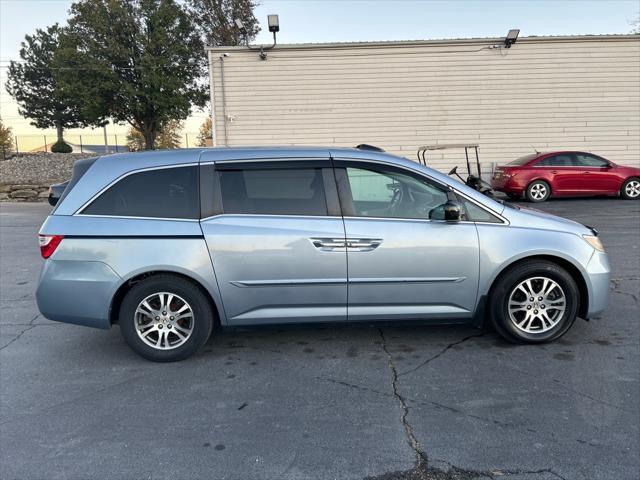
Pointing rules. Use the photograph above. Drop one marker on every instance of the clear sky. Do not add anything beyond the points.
(303, 21)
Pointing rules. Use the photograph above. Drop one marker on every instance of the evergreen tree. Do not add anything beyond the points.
(33, 83)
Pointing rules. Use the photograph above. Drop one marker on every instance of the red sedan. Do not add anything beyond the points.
(565, 174)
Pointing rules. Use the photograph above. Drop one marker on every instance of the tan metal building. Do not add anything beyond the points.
(544, 93)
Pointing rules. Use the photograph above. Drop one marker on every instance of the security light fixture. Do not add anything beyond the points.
(274, 23)
(274, 27)
(511, 37)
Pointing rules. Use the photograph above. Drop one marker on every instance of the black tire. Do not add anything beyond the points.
(514, 196)
(630, 193)
(533, 189)
(508, 282)
(182, 289)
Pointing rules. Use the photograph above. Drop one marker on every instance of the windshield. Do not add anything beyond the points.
(523, 160)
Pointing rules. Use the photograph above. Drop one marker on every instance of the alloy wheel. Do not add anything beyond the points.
(632, 189)
(164, 320)
(538, 191)
(536, 305)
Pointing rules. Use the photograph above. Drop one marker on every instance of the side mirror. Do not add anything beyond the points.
(608, 165)
(450, 212)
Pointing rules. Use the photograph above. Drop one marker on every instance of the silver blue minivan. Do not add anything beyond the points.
(170, 244)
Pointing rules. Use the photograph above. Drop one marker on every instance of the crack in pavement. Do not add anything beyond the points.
(70, 401)
(493, 473)
(422, 470)
(614, 286)
(421, 403)
(442, 352)
(593, 399)
(17, 337)
(422, 459)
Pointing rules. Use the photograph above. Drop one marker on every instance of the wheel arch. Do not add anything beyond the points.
(122, 290)
(627, 178)
(540, 179)
(570, 267)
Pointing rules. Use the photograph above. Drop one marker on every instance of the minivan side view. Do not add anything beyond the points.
(169, 244)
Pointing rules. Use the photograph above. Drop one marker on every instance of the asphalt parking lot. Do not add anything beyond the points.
(323, 403)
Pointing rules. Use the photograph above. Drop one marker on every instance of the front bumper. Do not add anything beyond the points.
(78, 292)
(598, 280)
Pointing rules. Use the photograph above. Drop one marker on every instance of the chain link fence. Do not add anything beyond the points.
(92, 143)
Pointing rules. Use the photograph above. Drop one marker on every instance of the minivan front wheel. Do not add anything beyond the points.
(534, 302)
(165, 318)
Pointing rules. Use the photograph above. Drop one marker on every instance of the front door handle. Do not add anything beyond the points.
(363, 244)
(554, 171)
(586, 173)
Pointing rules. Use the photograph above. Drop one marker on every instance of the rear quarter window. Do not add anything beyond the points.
(160, 193)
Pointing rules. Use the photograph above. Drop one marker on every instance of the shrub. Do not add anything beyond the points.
(61, 147)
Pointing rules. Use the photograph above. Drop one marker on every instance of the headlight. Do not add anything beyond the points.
(594, 242)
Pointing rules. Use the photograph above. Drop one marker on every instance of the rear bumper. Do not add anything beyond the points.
(598, 278)
(78, 292)
(507, 185)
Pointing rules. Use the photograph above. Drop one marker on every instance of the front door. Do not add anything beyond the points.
(401, 264)
(277, 241)
(597, 174)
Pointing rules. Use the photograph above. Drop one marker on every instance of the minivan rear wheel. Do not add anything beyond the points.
(535, 301)
(165, 318)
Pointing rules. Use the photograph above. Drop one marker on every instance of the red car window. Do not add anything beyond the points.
(585, 160)
(562, 160)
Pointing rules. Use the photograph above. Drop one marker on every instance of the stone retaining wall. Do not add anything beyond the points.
(27, 177)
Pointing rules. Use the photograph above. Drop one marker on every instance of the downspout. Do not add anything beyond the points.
(224, 101)
(214, 138)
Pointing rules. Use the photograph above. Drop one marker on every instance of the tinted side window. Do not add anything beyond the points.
(273, 192)
(390, 194)
(590, 161)
(165, 193)
(556, 161)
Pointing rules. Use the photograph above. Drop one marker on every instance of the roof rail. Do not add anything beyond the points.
(373, 148)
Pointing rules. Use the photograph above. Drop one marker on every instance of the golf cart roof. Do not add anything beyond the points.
(445, 146)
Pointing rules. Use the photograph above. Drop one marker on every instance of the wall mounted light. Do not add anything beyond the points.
(274, 27)
(511, 37)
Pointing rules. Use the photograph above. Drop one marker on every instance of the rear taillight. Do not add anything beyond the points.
(48, 244)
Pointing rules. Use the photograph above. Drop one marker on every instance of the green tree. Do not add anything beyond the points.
(169, 136)
(33, 83)
(6, 139)
(204, 136)
(215, 20)
(135, 61)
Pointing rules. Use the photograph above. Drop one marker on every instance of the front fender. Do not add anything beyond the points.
(502, 246)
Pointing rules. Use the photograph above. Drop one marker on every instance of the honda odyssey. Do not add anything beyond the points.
(167, 244)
